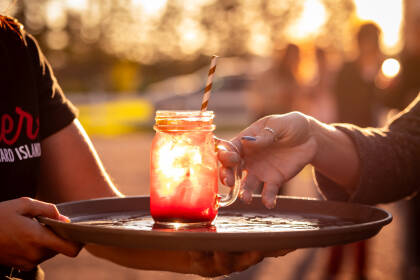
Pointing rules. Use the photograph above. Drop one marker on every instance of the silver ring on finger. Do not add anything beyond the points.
(269, 129)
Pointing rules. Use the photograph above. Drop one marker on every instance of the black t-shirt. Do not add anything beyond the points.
(32, 107)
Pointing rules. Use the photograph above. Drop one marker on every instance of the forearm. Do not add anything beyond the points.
(387, 163)
(71, 168)
(336, 156)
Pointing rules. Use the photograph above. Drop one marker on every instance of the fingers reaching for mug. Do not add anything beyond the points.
(272, 151)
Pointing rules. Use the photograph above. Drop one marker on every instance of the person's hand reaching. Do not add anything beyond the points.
(272, 150)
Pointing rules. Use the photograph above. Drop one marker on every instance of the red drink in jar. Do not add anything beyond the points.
(183, 170)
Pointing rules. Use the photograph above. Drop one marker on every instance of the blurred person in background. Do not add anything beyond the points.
(45, 155)
(274, 90)
(358, 102)
(317, 99)
(355, 90)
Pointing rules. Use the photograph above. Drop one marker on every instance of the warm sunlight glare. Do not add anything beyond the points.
(76, 5)
(259, 39)
(387, 14)
(150, 7)
(55, 15)
(191, 35)
(310, 22)
(390, 68)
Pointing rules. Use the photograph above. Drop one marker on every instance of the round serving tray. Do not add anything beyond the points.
(293, 223)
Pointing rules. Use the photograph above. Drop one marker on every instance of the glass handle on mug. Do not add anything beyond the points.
(230, 198)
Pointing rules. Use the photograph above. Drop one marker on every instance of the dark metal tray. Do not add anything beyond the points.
(293, 223)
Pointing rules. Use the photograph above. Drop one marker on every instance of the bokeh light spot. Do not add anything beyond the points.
(390, 67)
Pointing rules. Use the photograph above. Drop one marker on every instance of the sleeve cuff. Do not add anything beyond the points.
(364, 193)
(60, 117)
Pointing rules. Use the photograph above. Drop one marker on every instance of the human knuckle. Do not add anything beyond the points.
(24, 201)
(236, 157)
(51, 207)
(296, 114)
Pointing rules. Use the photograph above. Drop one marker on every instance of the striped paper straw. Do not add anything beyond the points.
(209, 83)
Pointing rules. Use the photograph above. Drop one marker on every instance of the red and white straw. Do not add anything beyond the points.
(209, 83)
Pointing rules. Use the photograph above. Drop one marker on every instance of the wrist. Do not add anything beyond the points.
(321, 133)
(336, 155)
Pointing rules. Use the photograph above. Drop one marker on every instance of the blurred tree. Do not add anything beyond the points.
(95, 34)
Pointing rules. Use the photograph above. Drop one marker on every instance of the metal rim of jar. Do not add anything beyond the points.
(174, 128)
(206, 116)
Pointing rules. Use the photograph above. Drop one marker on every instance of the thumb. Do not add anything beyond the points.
(31, 208)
